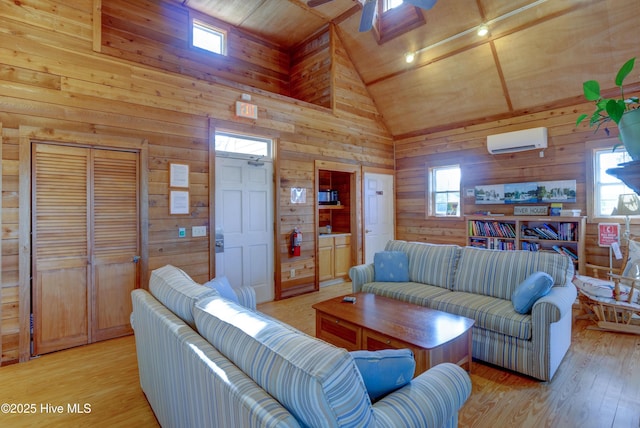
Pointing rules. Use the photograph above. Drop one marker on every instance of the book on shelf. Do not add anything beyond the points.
(492, 243)
(478, 242)
(570, 253)
(535, 232)
(565, 251)
(492, 228)
(530, 246)
(555, 208)
(550, 230)
(567, 231)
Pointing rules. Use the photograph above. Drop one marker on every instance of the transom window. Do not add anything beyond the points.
(444, 191)
(607, 188)
(209, 38)
(243, 145)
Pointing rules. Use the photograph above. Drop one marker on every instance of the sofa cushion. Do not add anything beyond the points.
(531, 289)
(317, 382)
(177, 291)
(595, 287)
(489, 313)
(604, 289)
(432, 264)
(391, 266)
(497, 273)
(386, 370)
(222, 286)
(411, 292)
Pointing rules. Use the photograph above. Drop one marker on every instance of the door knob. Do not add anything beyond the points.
(135, 259)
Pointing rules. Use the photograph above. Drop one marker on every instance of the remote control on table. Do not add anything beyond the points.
(349, 299)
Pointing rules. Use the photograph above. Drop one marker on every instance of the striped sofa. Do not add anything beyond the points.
(478, 284)
(205, 361)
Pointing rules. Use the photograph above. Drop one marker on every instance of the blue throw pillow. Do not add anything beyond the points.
(385, 371)
(391, 266)
(535, 286)
(223, 287)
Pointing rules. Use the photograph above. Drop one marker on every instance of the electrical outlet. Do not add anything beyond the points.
(292, 273)
(197, 231)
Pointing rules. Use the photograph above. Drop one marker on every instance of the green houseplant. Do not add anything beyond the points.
(624, 112)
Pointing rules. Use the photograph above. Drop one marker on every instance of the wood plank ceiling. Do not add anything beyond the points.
(537, 53)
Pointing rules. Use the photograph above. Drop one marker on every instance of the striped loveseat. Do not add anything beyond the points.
(206, 361)
(478, 284)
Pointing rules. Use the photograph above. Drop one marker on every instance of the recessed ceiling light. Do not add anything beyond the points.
(409, 57)
(483, 30)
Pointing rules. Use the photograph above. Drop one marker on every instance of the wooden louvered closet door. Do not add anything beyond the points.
(115, 242)
(85, 244)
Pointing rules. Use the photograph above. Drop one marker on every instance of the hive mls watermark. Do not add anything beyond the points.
(45, 408)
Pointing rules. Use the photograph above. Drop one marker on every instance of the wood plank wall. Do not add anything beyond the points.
(564, 159)
(52, 79)
(311, 70)
(157, 34)
(357, 136)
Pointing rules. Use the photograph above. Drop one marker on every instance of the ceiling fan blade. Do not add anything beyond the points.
(368, 13)
(316, 3)
(422, 4)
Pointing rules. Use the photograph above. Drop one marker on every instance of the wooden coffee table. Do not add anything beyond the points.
(376, 322)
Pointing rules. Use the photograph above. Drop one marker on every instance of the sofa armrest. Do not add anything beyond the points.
(246, 296)
(432, 399)
(556, 304)
(361, 275)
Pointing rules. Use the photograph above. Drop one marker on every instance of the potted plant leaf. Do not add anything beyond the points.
(623, 111)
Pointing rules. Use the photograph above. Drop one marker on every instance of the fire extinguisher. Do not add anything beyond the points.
(296, 241)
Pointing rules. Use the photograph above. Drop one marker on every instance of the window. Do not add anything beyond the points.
(390, 4)
(396, 18)
(606, 187)
(243, 145)
(444, 191)
(209, 38)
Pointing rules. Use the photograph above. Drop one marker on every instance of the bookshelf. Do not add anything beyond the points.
(565, 235)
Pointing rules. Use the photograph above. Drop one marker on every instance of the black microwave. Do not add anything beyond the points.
(328, 197)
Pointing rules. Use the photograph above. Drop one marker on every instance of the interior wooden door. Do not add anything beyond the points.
(244, 214)
(60, 247)
(114, 242)
(86, 244)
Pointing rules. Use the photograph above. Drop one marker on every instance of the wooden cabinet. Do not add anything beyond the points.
(342, 256)
(334, 256)
(565, 235)
(325, 258)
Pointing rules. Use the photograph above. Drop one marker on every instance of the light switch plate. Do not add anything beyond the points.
(197, 231)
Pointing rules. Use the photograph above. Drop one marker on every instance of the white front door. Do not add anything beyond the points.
(378, 213)
(244, 215)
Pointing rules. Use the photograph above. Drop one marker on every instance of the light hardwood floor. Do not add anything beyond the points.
(597, 385)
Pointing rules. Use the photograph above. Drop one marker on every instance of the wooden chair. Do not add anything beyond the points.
(619, 313)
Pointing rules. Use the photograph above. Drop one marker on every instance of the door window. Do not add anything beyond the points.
(243, 145)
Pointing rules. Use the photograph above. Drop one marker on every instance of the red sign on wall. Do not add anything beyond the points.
(608, 233)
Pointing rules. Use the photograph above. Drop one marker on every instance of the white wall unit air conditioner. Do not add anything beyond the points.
(517, 141)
